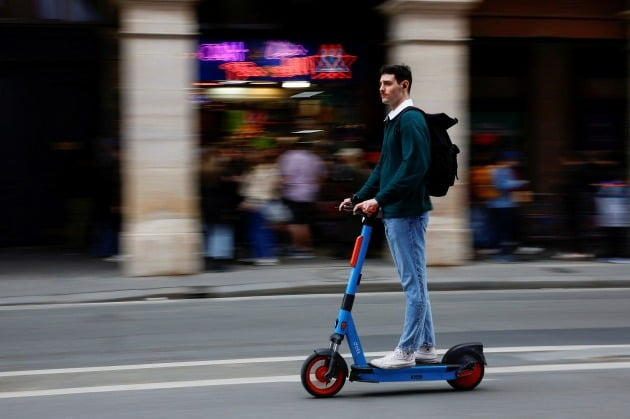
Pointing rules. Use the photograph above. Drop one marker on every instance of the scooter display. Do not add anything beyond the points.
(325, 371)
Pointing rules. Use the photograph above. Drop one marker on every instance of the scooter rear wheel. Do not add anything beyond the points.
(470, 377)
(314, 378)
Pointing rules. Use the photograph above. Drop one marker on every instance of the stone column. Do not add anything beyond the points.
(431, 37)
(161, 231)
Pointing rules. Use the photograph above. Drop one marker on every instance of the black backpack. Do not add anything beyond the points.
(443, 169)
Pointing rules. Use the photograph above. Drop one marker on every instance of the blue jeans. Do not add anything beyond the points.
(219, 241)
(406, 239)
(261, 236)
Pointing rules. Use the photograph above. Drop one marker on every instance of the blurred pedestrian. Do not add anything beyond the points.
(259, 186)
(482, 190)
(503, 209)
(302, 172)
(220, 173)
(612, 202)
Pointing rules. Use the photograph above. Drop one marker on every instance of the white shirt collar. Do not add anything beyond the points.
(395, 112)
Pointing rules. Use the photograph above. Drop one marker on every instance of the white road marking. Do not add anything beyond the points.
(151, 386)
(559, 367)
(184, 364)
(155, 365)
(511, 349)
(286, 379)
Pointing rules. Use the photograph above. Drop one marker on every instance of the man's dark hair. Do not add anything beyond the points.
(401, 72)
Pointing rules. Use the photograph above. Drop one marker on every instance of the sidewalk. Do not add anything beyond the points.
(67, 278)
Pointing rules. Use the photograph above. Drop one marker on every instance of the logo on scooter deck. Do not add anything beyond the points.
(416, 377)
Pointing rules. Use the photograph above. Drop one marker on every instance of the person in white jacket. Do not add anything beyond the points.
(259, 186)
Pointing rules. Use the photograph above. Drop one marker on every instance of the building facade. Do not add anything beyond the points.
(538, 77)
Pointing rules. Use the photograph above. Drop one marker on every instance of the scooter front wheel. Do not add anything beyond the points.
(314, 377)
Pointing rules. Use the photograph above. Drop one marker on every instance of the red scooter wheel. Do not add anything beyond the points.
(469, 377)
(314, 378)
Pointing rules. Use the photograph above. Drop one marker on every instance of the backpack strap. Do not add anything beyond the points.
(397, 118)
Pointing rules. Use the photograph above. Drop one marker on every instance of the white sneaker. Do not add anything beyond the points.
(426, 354)
(396, 359)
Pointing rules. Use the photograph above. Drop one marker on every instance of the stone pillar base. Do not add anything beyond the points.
(448, 246)
(163, 247)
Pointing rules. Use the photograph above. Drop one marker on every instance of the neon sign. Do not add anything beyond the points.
(291, 67)
(283, 49)
(273, 60)
(333, 63)
(225, 51)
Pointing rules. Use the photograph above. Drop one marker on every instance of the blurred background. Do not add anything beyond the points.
(117, 115)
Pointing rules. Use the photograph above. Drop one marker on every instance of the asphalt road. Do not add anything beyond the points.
(551, 353)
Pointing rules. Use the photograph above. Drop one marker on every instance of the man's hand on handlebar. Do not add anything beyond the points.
(368, 207)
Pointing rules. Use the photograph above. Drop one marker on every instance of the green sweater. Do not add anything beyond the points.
(397, 181)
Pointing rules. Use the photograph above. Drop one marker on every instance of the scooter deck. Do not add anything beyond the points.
(419, 372)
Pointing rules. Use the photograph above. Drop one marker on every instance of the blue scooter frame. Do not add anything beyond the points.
(324, 372)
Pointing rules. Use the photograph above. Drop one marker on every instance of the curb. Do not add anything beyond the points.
(234, 291)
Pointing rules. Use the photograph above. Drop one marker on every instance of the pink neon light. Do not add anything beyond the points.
(283, 49)
(225, 51)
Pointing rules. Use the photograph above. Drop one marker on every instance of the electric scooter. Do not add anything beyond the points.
(325, 371)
